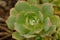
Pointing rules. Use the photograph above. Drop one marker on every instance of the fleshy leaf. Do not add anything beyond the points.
(41, 18)
(34, 8)
(33, 1)
(55, 20)
(22, 6)
(13, 12)
(47, 24)
(52, 29)
(11, 19)
(17, 36)
(20, 18)
(29, 36)
(10, 22)
(25, 6)
(47, 10)
(21, 29)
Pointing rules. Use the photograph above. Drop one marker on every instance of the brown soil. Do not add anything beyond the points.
(5, 6)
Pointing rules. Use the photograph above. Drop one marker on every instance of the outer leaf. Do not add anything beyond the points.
(10, 22)
(16, 35)
(52, 29)
(22, 6)
(29, 36)
(11, 19)
(47, 24)
(13, 12)
(33, 1)
(47, 9)
(55, 20)
(20, 18)
(21, 29)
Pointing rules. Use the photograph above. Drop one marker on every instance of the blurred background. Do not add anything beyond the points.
(5, 6)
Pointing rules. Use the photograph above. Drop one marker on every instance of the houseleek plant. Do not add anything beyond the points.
(34, 23)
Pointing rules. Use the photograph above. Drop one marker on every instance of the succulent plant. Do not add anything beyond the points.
(32, 22)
